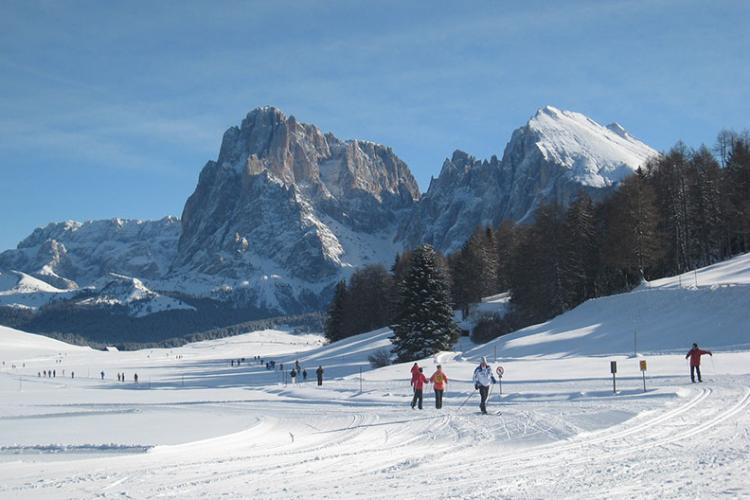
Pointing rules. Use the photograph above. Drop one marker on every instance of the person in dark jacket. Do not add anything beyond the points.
(319, 374)
(304, 375)
(695, 361)
(293, 375)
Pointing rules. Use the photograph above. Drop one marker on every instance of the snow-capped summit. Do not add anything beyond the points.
(596, 156)
(549, 159)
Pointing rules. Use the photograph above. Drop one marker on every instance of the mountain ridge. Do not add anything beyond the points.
(286, 210)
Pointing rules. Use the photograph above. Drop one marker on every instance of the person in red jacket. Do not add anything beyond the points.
(414, 374)
(695, 361)
(419, 383)
(439, 379)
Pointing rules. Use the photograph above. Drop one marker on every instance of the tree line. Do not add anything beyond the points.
(682, 210)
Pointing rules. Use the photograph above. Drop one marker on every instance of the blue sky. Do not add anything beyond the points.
(110, 109)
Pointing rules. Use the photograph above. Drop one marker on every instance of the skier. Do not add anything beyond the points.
(414, 374)
(102, 374)
(72, 374)
(482, 379)
(118, 376)
(293, 374)
(695, 361)
(135, 377)
(231, 361)
(419, 383)
(438, 380)
(304, 375)
(319, 374)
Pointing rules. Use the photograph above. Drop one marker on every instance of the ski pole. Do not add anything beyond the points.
(467, 399)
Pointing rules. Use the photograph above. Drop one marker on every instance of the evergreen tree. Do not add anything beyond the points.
(334, 325)
(580, 252)
(368, 304)
(425, 323)
(504, 241)
(737, 192)
(632, 244)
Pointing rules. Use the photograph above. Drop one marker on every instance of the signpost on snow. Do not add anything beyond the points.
(613, 370)
(643, 372)
(499, 370)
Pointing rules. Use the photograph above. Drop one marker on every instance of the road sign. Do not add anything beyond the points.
(613, 367)
(643, 372)
(643, 365)
(499, 370)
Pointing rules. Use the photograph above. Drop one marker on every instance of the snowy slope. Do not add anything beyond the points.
(116, 289)
(19, 289)
(659, 317)
(15, 344)
(198, 425)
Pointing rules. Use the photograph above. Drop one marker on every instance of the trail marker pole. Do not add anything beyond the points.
(499, 370)
(613, 369)
(643, 372)
(495, 353)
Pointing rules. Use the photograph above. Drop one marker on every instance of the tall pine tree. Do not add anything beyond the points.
(335, 322)
(425, 323)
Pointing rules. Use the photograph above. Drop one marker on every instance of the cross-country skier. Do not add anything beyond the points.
(695, 361)
(319, 374)
(419, 383)
(414, 374)
(293, 374)
(439, 379)
(482, 379)
(304, 374)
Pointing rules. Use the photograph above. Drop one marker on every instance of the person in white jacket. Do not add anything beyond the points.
(482, 379)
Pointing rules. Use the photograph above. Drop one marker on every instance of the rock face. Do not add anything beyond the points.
(550, 159)
(285, 211)
(286, 202)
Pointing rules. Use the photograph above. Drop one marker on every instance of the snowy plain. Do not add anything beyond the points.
(196, 426)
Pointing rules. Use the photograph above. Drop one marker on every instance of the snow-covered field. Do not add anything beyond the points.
(195, 426)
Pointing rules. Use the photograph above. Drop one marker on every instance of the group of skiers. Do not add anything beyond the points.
(482, 379)
(438, 380)
(297, 370)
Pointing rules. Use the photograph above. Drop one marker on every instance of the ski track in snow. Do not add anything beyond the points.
(408, 453)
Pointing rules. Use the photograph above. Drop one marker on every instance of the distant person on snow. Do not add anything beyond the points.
(135, 377)
(419, 383)
(304, 374)
(319, 374)
(102, 374)
(414, 374)
(293, 374)
(695, 361)
(482, 379)
(438, 380)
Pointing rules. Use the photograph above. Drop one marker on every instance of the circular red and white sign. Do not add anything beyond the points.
(500, 371)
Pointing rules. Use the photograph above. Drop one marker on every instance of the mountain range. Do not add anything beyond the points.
(285, 211)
